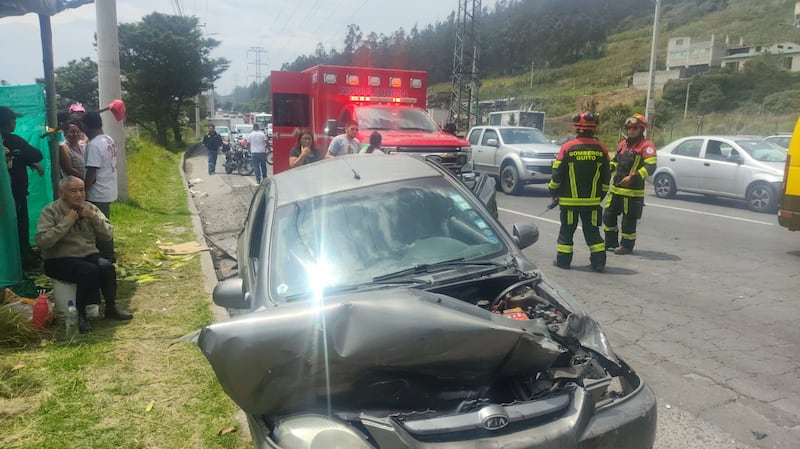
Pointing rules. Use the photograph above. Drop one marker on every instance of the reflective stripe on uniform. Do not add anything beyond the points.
(627, 192)
(573, 183)
(595, 218)
(597, 247)
(564, 249)
(610, 228)
(564, 201)
(628, 236)
(643, 173)
(570, 217)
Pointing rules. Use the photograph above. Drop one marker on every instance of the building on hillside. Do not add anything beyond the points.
(786, 53)
(694, 55)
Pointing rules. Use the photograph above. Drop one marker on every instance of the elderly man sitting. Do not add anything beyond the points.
(67, 232)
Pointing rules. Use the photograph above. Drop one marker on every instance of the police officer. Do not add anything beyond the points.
(634, 161)
(580, 180)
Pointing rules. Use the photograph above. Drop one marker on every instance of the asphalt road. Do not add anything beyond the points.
(705, 309)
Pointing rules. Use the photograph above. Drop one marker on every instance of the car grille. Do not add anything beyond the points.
(519, 416)
(544, 169)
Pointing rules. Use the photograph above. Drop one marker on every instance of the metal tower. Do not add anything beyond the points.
(466, 55)
(257, 52)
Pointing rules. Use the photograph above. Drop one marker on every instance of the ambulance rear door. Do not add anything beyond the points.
(291, 113)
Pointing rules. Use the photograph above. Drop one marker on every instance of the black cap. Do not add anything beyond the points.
(6, 114)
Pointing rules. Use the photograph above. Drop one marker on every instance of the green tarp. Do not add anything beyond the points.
(28, 101)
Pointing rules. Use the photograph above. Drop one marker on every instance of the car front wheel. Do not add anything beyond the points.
(762, 197)
(509, 180)
(664, 186)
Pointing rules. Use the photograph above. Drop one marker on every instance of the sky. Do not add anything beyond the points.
(281, 29)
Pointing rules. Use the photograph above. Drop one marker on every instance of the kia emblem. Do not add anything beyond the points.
(493, 417)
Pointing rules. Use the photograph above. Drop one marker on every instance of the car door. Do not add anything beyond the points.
(720, 172)
(477, 153)
(686, 164)
(488, 153)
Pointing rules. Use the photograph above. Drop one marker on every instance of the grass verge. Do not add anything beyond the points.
(124, 386)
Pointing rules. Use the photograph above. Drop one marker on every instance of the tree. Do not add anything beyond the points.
(165, 61)
(77, 82)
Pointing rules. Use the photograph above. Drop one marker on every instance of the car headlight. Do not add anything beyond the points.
(530, 154)
(317, 432)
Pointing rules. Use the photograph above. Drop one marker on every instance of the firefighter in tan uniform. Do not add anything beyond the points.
(580, 180)
(634, 161)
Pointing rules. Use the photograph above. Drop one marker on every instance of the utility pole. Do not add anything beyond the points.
(109, 86)
(531, 86)
(686, 105)
(650, 105)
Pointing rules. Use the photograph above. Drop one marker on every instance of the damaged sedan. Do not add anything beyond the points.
(388, 309)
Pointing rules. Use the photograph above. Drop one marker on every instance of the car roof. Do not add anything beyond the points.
(346, 173)
(723, 136)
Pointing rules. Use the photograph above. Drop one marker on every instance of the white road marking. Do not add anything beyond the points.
(712, 215)
(530, 216)
(510, 211)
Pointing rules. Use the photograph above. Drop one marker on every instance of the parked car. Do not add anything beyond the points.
(515, 155)
(242, 129)
(782, 140)
(745, 167)
(387, 308)
(225, 133)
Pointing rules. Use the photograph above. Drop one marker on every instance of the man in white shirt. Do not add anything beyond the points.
(100, 174)
(345, 143)
(257, 142)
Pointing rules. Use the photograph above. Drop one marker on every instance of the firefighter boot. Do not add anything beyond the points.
(563, 260)
(622, 250)
(598, 261)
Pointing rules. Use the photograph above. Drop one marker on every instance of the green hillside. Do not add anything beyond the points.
(602, 83)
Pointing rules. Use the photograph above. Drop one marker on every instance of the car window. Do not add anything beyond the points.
(522, 136)
(380, 118)
(474, 136)
(489, 134)
(689, 148)
(714, 150)
(782, 141)
(349, 238)
(762, 150)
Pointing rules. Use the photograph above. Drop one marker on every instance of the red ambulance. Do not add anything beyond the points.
(392, 102)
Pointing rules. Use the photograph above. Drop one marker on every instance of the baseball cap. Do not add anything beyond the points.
(6, 114)
(76, 107)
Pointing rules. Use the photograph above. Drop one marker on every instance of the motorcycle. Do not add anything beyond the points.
(239, 159)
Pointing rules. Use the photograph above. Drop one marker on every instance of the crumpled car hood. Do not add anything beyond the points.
(275, 359)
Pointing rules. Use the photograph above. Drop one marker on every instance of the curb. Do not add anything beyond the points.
(206, 262)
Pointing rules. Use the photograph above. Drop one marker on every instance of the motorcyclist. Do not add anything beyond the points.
(634, 161)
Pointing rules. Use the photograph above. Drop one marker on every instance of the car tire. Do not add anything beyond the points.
(664, 186)
(509, 180)
(762, 197)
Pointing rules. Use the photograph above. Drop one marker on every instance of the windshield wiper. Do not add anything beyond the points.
(345, 288)
(429, 267)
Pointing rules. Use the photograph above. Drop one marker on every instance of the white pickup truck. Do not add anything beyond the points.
(515, 155)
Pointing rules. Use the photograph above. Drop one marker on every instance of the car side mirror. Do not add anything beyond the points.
(525, 234)
(492, 143)
(230, 293)
(330, 128)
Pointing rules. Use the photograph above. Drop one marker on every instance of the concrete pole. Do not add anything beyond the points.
(650, 107)
(686, 104)
(46, 32)
(110, 88)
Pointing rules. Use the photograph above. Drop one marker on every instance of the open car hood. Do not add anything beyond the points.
(274, 360)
